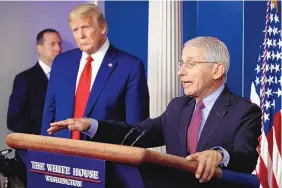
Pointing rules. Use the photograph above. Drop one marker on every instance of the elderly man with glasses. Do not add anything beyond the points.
(210, 124)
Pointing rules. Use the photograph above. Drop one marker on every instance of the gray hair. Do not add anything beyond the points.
(215, 50)
(87, 10)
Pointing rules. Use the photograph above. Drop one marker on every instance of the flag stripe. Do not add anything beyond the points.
(277, 165)
(274, 183)
(263, 179)
(278, 131)
(269, 138)
(277, 160)
(265, 171)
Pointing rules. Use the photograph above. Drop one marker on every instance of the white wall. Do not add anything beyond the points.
(20, 22)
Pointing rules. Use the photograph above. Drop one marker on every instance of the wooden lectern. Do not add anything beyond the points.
(58, 162)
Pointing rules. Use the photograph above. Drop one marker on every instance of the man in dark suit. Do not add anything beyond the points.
(26, 102)
(97, 80)
(210, 124)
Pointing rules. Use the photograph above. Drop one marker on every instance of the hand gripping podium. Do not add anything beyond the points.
(57, 163)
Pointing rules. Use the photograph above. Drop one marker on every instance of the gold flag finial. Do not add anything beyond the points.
(275, 3)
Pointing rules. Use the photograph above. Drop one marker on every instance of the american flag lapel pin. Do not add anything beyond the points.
(110, 65)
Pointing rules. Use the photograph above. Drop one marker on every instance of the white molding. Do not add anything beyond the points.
(164, 50)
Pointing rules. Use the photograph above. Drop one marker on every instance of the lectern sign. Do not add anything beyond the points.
(58, 171)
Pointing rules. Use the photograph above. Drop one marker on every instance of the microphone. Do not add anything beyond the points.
(140, 136)
(5, 152)
(127, 135)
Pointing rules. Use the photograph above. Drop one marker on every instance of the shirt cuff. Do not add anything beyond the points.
(226, 156)
(93, 128)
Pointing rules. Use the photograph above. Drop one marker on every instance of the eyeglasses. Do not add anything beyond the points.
(190, 63)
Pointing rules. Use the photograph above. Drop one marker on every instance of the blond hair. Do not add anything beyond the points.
(87, 10)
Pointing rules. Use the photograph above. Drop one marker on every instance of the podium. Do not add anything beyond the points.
(58, 162)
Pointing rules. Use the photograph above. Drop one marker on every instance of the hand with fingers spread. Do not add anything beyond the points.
(208, 161)
(80, 124)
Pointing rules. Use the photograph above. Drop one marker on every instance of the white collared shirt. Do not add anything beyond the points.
(46, 68)
(95, 64)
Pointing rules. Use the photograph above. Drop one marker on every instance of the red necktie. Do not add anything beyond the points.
(82, 94)
(193, 130)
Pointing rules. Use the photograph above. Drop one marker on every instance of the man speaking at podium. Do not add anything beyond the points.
(210, 124)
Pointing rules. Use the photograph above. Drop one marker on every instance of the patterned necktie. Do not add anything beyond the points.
(82, 94)
(193, 130)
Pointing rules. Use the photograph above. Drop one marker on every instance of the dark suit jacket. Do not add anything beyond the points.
(26, 102)
(233, 123)
(119, 91)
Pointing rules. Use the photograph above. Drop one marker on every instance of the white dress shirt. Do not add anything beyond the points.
(46, 68)
(95, 64)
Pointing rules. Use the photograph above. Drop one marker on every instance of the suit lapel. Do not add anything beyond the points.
(185, 118)
(40, 76)
(71, 81)
(216, 114)
(104, 72)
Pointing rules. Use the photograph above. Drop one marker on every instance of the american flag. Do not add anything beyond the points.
(266, 92)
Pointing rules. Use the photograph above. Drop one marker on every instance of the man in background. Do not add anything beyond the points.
(26, 102)
(95, 80)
